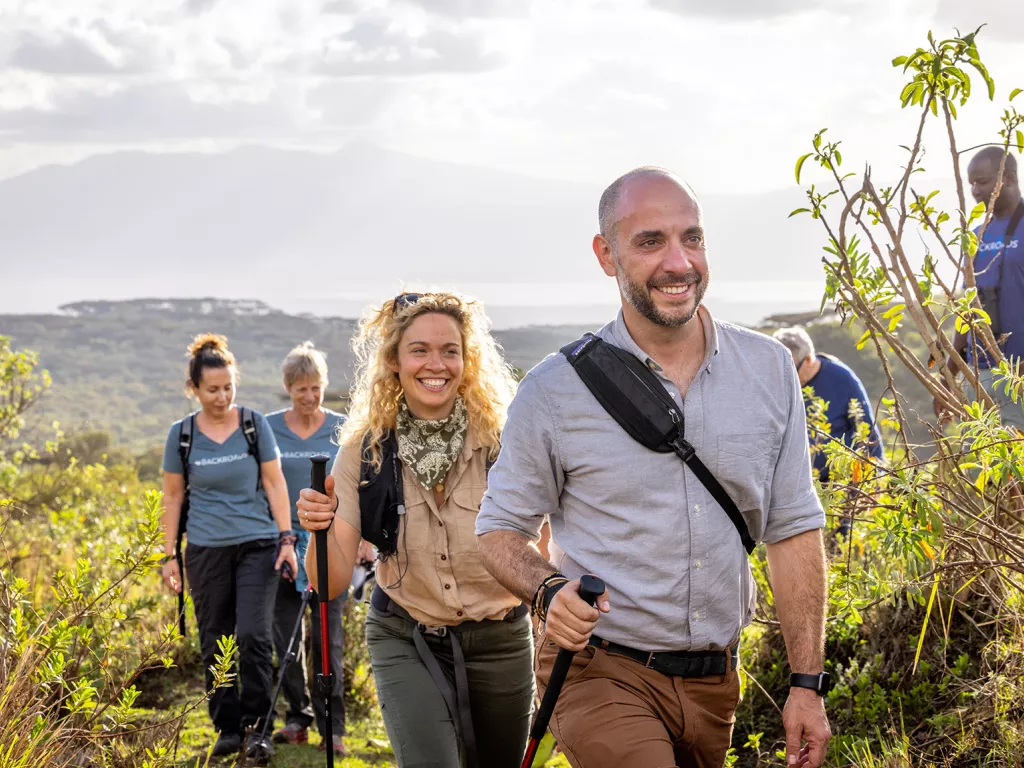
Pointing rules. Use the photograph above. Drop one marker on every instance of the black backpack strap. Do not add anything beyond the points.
(1011, 229)
(252, 439)
(636, 399)
(185, 431)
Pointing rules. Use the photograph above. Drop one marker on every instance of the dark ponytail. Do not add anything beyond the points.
(207, 350)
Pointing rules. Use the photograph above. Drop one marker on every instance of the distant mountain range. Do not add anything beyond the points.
(321, 232)
(120, 366)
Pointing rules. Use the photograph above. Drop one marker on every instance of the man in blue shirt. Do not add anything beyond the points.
(839, 387)
(999, 275)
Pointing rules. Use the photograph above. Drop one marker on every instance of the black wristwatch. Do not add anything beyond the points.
(820, 683)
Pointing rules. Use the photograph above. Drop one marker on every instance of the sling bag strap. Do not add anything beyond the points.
(636, 399)
(185, 431)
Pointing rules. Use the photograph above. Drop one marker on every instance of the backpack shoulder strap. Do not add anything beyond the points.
(633, 396)
(248, 424)
(252, 439)
(185, 430)
(1011, 229)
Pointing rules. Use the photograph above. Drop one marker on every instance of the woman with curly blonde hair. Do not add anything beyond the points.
(451, 649)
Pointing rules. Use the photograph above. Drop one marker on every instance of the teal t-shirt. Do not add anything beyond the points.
(295, 456)
(224, 506)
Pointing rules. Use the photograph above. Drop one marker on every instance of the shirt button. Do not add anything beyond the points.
(441, 524)
(696, 564)
(447, 586)
(458, 613)
(444, 557)
(696, 507)
(696, 614)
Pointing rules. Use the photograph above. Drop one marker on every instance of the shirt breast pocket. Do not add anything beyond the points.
(465, 508)
(744, 462)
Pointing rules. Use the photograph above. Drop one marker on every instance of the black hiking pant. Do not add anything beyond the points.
(233, 589)
(301, 709)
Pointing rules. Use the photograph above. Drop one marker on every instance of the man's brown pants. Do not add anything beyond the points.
(615, 713)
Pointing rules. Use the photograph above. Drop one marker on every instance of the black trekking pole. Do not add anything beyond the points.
(591, 588)
(325, 678)
(289, 657)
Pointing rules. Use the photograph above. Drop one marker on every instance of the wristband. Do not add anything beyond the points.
(549, 595)
(285, 538)
(539, 606)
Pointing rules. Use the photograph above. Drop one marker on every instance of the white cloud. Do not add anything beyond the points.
(726, 92)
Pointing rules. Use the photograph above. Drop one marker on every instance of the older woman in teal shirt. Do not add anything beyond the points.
(303, 431)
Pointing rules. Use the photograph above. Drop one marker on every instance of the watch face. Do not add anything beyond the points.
(824, 683)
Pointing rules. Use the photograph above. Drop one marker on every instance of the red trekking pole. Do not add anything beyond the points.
(325, 678)
(591, 588)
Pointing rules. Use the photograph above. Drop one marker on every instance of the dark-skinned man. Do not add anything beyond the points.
(654, 682)
(999, 274)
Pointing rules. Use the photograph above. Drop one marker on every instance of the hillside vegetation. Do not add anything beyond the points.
(118, 367)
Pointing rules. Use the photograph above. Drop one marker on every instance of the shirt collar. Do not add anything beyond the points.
(617, 333)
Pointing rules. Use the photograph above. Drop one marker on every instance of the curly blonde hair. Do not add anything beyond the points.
(487, 387)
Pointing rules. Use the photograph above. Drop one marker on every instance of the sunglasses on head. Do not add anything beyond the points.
(404, 300)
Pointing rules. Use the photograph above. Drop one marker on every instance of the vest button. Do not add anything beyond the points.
(447, 586)
(444, 557)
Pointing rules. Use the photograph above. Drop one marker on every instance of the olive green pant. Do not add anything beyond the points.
(499, 666)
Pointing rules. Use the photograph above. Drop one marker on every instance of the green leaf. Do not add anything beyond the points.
(894, 310)
(983, 71)
(863, 340)
(976, 212)
(1020, 141)
(800, 164)
(901, 60)
(839, 156)
(907, 93)
(798, 210)
(1014, 93)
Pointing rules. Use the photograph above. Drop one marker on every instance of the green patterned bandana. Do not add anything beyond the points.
(430, 448)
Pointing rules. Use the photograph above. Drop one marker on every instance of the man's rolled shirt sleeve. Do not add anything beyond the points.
(525, 483)
(794, 507)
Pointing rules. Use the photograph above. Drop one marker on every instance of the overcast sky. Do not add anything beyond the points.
(725, 91)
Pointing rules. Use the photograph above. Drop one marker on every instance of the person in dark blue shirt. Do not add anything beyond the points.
(999, 275)
(839, 387)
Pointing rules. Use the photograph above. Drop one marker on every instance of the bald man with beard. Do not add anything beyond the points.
(655, 680)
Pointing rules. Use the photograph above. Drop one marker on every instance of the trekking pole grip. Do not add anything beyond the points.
(318, 481)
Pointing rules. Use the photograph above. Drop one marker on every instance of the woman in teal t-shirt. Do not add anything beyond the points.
(303, 431)
(239, 536)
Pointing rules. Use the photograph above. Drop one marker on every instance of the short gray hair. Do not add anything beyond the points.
(796, 341)
(304, 362)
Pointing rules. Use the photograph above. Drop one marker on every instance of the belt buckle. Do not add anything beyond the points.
(650, 661)
(435, 631)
